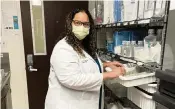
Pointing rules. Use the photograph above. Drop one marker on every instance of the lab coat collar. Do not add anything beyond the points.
(86, 54)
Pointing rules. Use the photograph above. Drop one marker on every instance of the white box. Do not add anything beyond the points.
(141, 10)
(129, 10)
(106, 13)
(111, 11)
(160, 8)
(149, 8)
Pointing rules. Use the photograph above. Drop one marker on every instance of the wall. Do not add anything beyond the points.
(172, 5)
(14, 45)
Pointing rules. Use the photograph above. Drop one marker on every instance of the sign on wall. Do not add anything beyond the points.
(15, 22)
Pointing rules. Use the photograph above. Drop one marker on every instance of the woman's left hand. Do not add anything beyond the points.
(114, 63)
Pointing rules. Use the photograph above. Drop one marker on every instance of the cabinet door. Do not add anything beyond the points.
(37, 55)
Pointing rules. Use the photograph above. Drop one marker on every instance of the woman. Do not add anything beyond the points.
(75, 75)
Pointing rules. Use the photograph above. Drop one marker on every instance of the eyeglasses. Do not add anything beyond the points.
(79, 23)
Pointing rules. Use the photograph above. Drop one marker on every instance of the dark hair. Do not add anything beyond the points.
(88, 42)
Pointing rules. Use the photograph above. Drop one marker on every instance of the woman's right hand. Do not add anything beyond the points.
(116, 72)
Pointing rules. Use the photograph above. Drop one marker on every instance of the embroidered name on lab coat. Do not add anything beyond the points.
(84, 60)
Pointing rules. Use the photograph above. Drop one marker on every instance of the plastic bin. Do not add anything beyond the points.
(134, 80)
(143, 100)
(151, 88)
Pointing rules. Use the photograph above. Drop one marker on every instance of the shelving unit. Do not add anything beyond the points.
(153, 22)
(156, 22)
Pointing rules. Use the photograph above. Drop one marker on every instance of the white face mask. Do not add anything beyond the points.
(80, 31)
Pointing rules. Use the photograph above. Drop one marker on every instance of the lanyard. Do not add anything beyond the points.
(98, 63)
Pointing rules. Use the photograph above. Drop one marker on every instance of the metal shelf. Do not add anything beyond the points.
(150, 22)
(124, 101)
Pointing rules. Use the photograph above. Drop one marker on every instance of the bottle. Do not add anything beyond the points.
(138, 49)
(149, 41)
(110, 46)
(109, 41)
(140, 43)
(128, 49)
(133, 45)
(123, 48)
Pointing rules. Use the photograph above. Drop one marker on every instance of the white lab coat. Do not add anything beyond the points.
(74, 81)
